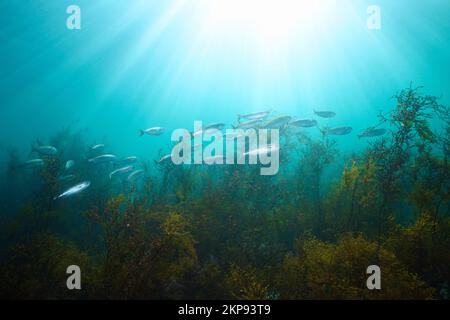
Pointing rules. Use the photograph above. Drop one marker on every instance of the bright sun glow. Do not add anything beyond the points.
(270, 19)
(257, 43)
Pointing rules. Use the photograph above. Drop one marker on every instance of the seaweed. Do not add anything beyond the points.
(226, 232)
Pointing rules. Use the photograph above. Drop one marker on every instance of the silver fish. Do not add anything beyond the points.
(135, 174)
(254, 116)
(217, 126)
(45, 150)
(164, 158)
(97, 148)
(209, 131)
(372, 132)
(126, 161)
(325, 114)
(103, 158)
(263, 150)
(196, 133)
(278, 123)
(34, 163)
(121, 171)
(340, 131)
(69, 164)
(74, 190)
(303, 123)
(155, 131)
(248, 124)
(66, 178)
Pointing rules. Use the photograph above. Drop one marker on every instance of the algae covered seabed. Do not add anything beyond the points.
(226, 232)
(92, 92)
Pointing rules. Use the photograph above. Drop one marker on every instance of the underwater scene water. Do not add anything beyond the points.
(213, 149)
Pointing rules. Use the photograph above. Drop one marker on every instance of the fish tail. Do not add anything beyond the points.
(323, 131)
(141, 132)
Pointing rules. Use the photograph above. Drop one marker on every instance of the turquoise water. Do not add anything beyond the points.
(312, 231)
(138, 64)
